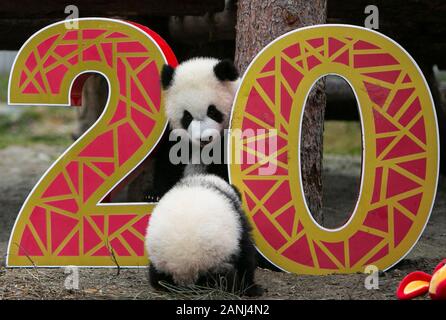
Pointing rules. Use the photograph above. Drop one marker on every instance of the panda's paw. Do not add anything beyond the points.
(254, 291)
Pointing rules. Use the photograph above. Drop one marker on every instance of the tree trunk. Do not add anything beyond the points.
(260, 22)
(94, 97)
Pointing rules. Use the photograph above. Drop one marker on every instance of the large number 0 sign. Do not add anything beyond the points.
(63, 221)
(400, 157)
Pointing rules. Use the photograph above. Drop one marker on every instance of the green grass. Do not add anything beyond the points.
(40, 125)
(21, 125)
(27, 127)
(342, 137)
(9, 140)
(4, 78)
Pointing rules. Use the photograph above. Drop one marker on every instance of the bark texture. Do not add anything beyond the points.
(94, 97)
(260, 22)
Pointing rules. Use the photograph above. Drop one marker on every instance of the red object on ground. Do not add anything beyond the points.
(418, 283)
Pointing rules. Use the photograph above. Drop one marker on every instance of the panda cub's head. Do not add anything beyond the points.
(199, 94)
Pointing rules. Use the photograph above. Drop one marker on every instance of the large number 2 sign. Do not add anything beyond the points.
(64, 222)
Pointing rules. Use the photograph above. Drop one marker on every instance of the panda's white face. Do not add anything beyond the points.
(199, 94)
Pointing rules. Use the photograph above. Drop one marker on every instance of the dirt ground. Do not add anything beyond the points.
(21, 167)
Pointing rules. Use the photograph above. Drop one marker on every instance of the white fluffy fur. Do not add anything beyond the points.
(193, 229)
(194, 88)
(215, 181)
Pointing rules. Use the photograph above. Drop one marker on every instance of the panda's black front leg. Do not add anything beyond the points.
(155, 277)
(245, 267)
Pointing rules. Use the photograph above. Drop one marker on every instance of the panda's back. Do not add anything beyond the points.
(194, 228)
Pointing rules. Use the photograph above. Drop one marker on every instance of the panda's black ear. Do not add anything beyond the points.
(167, 76)
(226, 71)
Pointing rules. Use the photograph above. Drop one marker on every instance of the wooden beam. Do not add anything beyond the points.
(20, 19)
(54, 9)
(258, 23)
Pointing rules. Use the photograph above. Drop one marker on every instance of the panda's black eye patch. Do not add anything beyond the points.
(186, 119)
(215, 114)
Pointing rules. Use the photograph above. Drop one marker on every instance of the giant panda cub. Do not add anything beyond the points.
(198, 95)
(199, 235)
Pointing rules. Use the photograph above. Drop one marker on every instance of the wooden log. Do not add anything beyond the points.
(31, 9)
(209, 28)
(20, 19)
